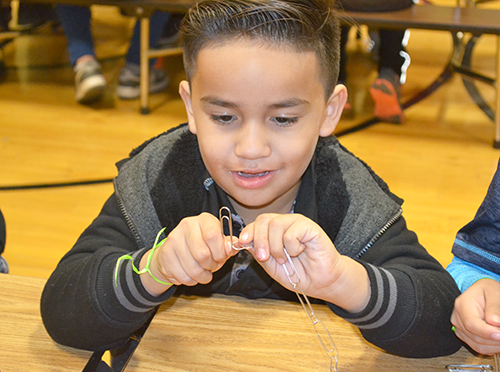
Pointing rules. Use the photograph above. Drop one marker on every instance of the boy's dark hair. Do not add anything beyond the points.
(303, 25)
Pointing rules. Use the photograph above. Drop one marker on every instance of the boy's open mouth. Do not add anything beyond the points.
(250, 175)
(253, 180)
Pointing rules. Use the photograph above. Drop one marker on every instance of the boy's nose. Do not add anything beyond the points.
(252, 141)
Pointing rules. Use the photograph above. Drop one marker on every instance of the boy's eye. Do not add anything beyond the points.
(284, 121)
(223, 119)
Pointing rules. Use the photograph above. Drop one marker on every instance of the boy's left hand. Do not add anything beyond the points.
(324, 273)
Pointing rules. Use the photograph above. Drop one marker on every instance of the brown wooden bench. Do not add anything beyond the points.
(472, 20)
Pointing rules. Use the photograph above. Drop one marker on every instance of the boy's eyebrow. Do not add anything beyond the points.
(218, 102)
(292, 102)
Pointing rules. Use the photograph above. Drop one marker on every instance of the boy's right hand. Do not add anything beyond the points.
(192, 252)
(476, 316)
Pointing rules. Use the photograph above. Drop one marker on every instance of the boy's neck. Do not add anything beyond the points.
(282, 205)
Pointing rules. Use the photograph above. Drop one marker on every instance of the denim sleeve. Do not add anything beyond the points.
(466, 274)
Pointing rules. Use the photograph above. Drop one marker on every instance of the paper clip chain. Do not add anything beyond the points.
(469, 368)
(294, 278)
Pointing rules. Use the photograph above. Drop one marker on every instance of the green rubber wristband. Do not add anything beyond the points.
(146, 268)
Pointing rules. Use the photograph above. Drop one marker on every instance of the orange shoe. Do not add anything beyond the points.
(385, 95)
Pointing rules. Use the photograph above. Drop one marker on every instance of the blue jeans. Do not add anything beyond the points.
(75, 21)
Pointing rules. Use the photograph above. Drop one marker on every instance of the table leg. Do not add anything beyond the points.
(144, 84)
(496, 144)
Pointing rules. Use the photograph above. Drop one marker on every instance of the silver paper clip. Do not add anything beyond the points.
(468, 368)
(225, 215)
(321, 331)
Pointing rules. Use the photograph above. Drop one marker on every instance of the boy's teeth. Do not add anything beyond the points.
(243, 174)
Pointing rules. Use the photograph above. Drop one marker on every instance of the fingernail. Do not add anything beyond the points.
(244, 237)
(495, 336)
(261, 254)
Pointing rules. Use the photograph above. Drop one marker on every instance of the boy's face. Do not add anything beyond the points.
(258, 111)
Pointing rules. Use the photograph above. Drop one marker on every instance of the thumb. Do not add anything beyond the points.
(492, 306)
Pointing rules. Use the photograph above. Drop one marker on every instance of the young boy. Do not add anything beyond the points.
(262, 104)
(476, 269)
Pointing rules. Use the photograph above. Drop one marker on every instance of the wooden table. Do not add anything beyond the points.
(221, 333)
(228, 333)
(25, 346)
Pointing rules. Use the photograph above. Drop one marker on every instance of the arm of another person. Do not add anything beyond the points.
(476, 316)
(81, 304)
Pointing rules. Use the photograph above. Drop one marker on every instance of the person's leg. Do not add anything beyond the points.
(157, 24)
(392, 53)
(75, 21)
(129, 80)
(89, 81)
(385, 91)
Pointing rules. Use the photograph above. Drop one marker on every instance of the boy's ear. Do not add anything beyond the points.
(185, 93)
(334, 108)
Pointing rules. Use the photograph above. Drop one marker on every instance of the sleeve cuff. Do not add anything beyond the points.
(466, 274)
(129, 290)
(381, 305)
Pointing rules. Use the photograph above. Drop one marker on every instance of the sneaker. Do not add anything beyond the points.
(385, 95)
(4, 267)
(129, 82)
(89, 81)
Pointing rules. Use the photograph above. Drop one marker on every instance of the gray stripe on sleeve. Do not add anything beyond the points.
(129, 273)
(393, 297)
(119, 290)
(380, 298)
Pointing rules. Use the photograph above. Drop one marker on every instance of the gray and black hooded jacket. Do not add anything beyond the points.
(165, 180)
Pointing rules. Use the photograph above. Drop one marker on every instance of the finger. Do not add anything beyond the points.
(169, 265)
(190, 270)
(230, 246)
(246, 237)
(471, 330)
(215, 242)
(198, 234)
(470, 307)
(261, 237)
(279, 233)
(492, 307)
(482, 346)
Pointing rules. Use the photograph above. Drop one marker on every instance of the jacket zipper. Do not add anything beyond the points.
(131, 226)
(380, 233)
